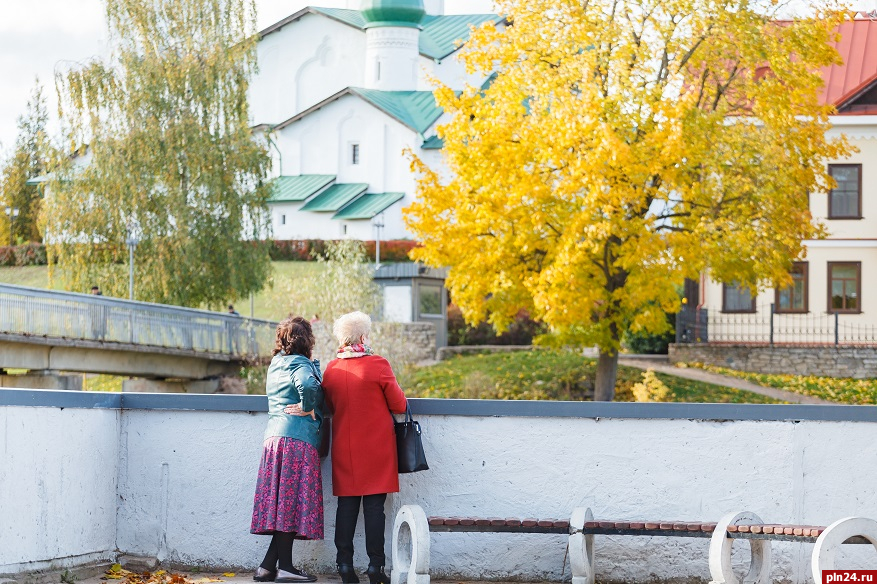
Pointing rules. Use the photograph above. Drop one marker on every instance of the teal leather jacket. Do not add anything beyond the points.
(294, 379)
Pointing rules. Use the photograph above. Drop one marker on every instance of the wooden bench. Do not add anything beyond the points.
(411, 540)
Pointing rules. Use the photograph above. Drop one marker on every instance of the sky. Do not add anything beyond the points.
(38, 36)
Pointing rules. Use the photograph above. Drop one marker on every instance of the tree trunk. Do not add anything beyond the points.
(607, 373)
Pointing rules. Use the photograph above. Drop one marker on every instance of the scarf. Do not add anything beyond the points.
(354, 351)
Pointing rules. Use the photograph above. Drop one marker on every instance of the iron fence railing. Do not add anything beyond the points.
(766, 326)
(66, 315)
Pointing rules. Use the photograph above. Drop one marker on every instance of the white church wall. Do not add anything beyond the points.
(302, 64)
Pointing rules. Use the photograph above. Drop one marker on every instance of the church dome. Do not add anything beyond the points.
(403, 13)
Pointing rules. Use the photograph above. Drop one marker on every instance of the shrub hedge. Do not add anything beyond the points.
(29, 254)
(308, 250)
(304, 250)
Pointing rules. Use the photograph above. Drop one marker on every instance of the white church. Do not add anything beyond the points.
(340, 94)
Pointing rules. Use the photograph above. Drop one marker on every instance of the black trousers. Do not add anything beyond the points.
(345, 526)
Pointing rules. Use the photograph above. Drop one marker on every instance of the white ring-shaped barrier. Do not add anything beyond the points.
(720, 552)
(581, 547)
(833, 536)
(413, 565)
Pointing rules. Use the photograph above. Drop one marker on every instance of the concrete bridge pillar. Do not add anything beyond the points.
(41, 379)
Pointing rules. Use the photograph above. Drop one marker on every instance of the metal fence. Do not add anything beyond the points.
(768, 327)
(66, 315)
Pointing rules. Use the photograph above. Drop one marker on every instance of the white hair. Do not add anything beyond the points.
(351, 327)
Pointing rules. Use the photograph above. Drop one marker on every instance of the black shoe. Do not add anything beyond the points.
(263, 575)
(376, 575)
(348, 574)
(294, 575)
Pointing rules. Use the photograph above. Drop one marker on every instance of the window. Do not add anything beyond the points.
(430, 301)
(283, 219)
(354, 154)
(378, 69)
(736, 298)
(845, 201)
(844, 286)
(794, 297)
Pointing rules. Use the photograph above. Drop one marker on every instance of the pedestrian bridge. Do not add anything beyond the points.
(46, 331)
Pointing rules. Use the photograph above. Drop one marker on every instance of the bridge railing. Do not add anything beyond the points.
(67, 315)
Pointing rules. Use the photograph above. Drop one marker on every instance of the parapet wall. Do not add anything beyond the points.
(823, 361)
(86, 476)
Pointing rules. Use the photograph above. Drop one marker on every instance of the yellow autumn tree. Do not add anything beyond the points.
(622, 146)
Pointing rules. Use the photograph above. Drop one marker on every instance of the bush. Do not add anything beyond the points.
(521, 332)
(28, 254)
(650, 344)
(309, 250)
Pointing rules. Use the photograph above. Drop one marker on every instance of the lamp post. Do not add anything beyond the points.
(132, 242)
(379, 224)
(11, 214)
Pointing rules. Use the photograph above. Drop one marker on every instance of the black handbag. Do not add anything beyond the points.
(325, 436)
(409, 446)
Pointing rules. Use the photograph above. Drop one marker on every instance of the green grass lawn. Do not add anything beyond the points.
(844, 391)
(549, 375)
(268, 303)
(32, 276)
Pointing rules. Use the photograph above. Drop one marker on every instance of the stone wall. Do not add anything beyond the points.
(823, 361)
(402, 343)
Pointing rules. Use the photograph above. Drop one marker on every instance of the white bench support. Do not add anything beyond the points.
(581, 547)
(720, 552)
(410, 566)
(833, 536)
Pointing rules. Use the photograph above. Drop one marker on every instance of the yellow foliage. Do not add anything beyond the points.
(650, 389)
(622, 146)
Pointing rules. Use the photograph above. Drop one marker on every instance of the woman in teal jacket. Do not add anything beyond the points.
(288, 504)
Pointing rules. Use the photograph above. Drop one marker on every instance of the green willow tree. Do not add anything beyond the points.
(28, 160)
(169, 156)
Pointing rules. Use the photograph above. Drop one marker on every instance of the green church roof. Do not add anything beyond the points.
(439, 37)
(415, 109)
(290, 189)
(368, 205)
(403, 13)
(335, 197)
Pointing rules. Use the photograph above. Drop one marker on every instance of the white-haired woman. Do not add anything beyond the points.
(361, 390)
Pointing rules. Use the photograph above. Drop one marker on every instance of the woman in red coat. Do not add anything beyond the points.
(361, 391)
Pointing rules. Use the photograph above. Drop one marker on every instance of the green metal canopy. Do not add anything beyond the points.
(335, 197)
(290, 189)
(368, 205)
(433, 143)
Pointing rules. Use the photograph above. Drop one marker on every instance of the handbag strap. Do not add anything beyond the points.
(408, 417)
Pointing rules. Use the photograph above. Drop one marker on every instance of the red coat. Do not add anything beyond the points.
(361, 392)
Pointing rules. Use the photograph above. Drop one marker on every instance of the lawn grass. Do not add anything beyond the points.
(840, 390)
(550, 375)
(32, 276)
(268, 303)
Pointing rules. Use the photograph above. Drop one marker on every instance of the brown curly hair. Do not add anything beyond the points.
(294, 337)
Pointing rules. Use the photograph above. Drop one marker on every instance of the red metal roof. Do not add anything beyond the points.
(858, 49)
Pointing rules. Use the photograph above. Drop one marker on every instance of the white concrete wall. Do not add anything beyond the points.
(58, 472)
(382, 165)
(302, 64)
(186, 481)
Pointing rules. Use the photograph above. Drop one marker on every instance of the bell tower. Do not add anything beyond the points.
(392, 29)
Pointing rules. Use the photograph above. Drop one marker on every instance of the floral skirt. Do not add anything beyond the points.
(289, 490)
